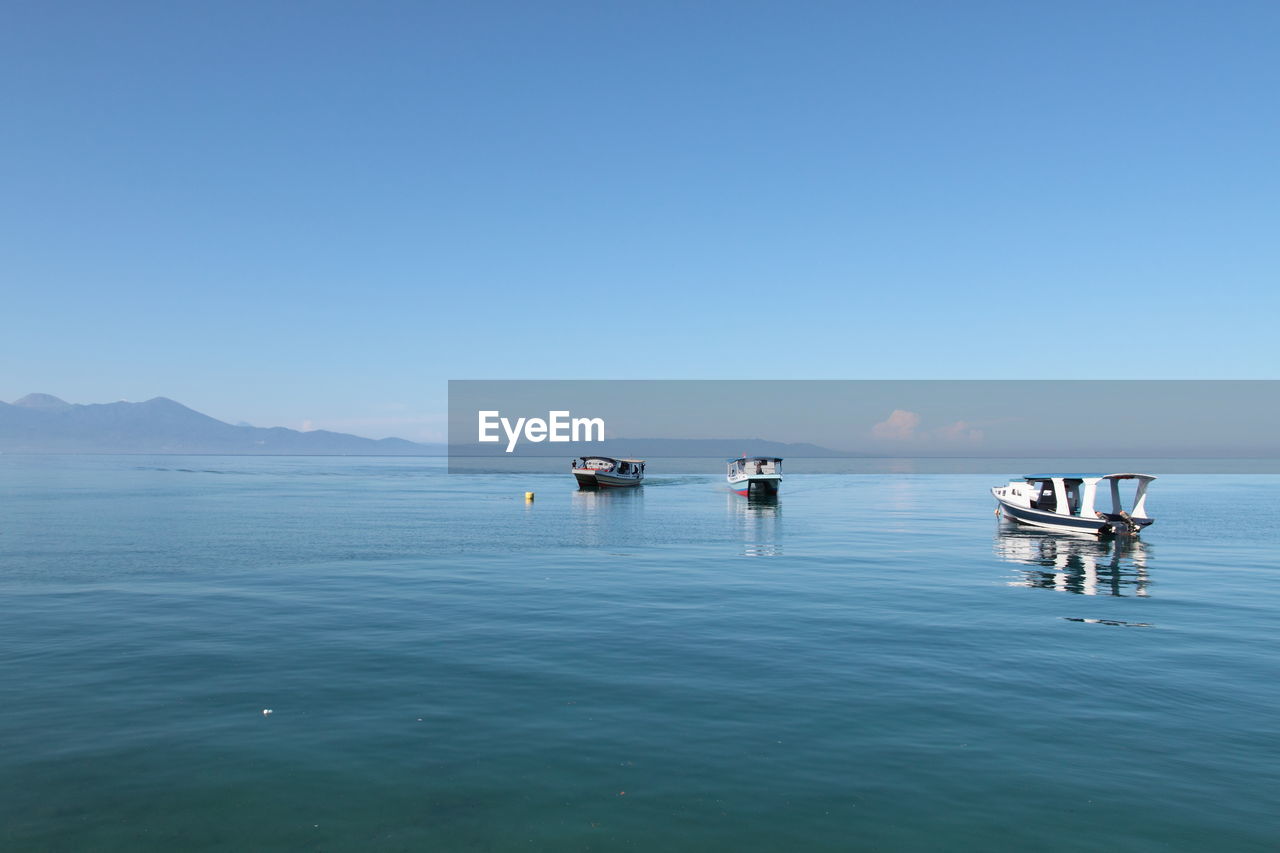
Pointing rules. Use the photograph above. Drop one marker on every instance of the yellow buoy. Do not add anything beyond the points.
(528, 496)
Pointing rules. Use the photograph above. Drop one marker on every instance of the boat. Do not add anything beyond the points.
(755, 476)
(594, 472)
(1069, 502)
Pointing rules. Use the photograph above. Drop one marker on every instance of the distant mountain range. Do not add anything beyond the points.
(41, 423)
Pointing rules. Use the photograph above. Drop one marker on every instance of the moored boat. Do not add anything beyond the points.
(755, 476)
(593, 472)
(1068, 502)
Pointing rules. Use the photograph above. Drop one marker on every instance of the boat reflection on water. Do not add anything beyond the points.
(1083, 564)
(607, 517)
(759, 523)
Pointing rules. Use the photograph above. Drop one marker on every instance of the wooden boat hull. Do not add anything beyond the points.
(606, 480)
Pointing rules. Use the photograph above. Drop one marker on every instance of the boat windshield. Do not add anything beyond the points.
(751, 466)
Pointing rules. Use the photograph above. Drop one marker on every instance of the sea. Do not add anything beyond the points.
(347, 653)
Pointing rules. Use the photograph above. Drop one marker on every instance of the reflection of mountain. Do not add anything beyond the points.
(1076, 563)
(759, 521)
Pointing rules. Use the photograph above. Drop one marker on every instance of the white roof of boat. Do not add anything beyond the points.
(1089, 477)
(641, 461)
(761, 458)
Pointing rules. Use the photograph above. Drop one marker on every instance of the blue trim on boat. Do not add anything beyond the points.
(1033, 515)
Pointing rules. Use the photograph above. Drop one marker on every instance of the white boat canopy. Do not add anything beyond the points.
(1088, 499)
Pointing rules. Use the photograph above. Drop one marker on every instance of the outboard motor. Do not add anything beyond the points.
(1119, 524)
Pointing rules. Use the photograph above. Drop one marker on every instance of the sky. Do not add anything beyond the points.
(315, 214)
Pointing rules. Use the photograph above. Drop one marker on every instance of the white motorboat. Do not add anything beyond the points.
(606, 472)
(755, 476)
(1069, 502)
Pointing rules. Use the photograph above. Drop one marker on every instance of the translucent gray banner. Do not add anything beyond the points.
(869, 426)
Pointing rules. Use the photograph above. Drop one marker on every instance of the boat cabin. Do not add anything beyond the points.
(622, 467)
(747, 466)
(630, 467)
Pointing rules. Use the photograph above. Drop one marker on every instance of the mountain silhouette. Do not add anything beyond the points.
(42, 423)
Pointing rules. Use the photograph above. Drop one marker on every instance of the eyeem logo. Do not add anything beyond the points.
(559, 426)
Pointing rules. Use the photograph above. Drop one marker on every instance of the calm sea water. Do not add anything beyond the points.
(869, 663)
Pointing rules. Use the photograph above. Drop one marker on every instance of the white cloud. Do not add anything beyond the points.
(902, 425)
(960, 431)
(899, 425)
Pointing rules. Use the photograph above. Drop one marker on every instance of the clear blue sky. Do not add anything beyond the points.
(289, 212)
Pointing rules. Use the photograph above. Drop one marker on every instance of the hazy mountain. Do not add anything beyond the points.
(41, 423)
(46, 402)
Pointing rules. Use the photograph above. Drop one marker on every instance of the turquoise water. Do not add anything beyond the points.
(870, 662)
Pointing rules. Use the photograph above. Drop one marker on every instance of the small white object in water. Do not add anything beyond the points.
(266, 712)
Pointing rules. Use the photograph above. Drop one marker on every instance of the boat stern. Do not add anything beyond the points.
(758, 486)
